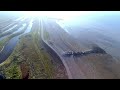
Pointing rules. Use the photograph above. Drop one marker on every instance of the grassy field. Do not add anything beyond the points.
(29, 59)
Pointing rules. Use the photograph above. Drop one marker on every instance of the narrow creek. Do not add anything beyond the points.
(9, 47)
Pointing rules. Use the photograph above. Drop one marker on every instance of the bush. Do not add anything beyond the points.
(13, 72)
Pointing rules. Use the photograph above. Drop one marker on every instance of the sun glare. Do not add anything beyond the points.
(53, 14)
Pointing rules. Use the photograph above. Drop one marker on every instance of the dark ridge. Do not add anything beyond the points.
(26, 77)
(96, 50)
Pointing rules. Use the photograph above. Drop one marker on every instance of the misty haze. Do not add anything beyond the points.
(59, 45)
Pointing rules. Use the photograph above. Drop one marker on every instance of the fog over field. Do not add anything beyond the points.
(102, 28)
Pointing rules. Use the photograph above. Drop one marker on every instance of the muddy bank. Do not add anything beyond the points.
(60, 68)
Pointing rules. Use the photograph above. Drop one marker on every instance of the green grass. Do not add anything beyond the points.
(3, 42)
(11, 67)
(13, 72)
(39, 61)
(44, 57)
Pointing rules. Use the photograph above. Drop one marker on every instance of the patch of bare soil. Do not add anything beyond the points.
(98, 66)
(24, 70)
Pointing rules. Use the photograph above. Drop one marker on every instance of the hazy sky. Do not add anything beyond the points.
(62, 14)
